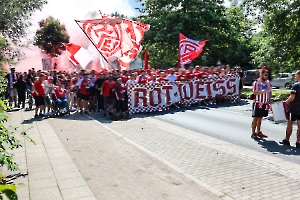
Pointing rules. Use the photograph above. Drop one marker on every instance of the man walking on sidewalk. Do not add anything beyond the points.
(262, 90)
(294, 110)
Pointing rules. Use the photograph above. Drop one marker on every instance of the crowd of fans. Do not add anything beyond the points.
(102, 92)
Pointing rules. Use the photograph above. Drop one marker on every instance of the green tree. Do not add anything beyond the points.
(198, 20)
(51, 36)
(242, 33)
(14, 20)
(279, 23)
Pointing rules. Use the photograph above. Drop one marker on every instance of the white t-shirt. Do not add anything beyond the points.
(130, 82)
(48, 87)
(171, 78)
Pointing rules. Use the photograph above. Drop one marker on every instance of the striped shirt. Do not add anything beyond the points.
(259, 85)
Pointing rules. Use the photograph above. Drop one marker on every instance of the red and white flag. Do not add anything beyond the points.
(189, 49)
(115, 38)
(79, 55)
(104, 65)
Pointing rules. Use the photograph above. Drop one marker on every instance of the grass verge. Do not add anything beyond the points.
(277, 95)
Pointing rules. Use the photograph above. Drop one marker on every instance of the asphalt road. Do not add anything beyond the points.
(232, 123)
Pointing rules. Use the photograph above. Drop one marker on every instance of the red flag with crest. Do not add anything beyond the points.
(189, 49)
(115, 38)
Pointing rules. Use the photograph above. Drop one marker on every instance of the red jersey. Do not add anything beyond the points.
(83, 90)
(259, 86)
(39, 86)
(202, 75)
(107, 85)
(159, 80)
(124, 78)
(141, 79)
(180, 78)
(189, 75)
(60, 92)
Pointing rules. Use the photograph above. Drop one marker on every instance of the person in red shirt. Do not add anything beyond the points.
(181, 75)
(84, 93)
(60, 96)
(142, 78)
(108, 92)
(162, 77)
(124, 76)
(39, 95)
(197, 71)
(189, 75)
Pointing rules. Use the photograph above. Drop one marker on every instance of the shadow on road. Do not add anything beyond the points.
(174, 109)
(275, 148)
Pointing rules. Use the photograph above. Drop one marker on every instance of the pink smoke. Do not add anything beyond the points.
(34, 55)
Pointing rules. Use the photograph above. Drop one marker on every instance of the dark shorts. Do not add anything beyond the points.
(259, 112)
(85, 97)
(107, 100)
(39, 101)
(294, 117)
(92, 91)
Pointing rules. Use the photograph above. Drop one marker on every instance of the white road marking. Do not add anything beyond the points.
(229, 111)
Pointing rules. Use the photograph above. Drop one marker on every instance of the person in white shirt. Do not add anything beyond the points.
(171, 77)
(49, 90)
(132, 80)
(153, 79)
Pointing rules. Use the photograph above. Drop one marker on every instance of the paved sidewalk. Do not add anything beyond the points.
(52, 172)
(238, 172)
(88, 157)
(77, 158)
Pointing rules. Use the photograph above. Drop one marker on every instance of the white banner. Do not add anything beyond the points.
(153, 97)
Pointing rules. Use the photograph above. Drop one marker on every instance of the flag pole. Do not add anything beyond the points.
(92, 42)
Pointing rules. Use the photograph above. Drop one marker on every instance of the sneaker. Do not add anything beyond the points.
(36, 116)
(286, 142)
(86, 112)
(260, 134)
(297, 145)
(99, 113)
(255, 136)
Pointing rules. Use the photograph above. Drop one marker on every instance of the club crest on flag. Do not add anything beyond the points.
(189, 49)
(115, 38)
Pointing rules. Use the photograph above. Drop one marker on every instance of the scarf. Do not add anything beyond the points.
(11, 80)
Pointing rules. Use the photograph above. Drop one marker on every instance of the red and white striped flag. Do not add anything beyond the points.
(79, 55)
(116, 38)
(189, 49)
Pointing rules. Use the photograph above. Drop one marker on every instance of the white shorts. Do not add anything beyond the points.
(13, 92)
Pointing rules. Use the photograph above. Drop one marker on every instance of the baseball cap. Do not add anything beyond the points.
(42, 75)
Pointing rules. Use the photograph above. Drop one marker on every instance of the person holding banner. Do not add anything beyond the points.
(262, 90)
(294, 111)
